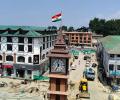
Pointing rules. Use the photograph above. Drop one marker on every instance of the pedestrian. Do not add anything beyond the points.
(79, 62)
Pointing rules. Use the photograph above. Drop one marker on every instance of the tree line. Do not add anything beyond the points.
(70, 29)
(105, 27)
(96, 25)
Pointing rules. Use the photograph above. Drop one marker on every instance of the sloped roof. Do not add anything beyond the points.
(111, 44)
(25, 31)
(5, 27)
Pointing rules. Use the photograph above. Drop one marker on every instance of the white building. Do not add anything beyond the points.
(109, 49)
(23, 50)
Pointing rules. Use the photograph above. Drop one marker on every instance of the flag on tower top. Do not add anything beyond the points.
(57, 17)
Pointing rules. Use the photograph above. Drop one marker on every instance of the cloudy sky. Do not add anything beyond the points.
(38, 12)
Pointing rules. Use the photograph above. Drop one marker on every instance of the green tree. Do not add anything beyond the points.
(82, 29)
(70, 29)
(64, 28)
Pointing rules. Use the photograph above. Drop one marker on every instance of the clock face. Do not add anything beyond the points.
(58, 65)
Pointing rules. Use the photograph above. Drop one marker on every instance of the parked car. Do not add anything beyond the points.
(94, 65)
(76, 57)
(115, 88)
(89, 73)
(86, 57)
(73, 67)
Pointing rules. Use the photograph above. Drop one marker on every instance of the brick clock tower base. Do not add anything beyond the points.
(58, 73)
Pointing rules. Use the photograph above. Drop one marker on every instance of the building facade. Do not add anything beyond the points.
(109, 53)
(79, 38)
(23, 50)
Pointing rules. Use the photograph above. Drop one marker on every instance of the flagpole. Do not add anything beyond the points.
(61, 22)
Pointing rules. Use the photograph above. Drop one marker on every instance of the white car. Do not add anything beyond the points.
(73, 67)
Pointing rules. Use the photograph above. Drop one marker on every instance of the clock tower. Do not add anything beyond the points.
(58, 73)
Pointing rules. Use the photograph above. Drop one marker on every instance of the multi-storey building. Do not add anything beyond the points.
(109, 53)
(79, 38)
(23, 50)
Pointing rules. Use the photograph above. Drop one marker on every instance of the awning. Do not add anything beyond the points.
(25, 66)
(7, 66)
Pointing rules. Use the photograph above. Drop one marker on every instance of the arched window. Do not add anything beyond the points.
(9, 58)
(29, 59)
(21, 59)
(0, 57)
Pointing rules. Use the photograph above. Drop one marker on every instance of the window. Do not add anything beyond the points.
(118, 67)
(57, 84)
(21, 47)
(9, 39)
(29, 40)
(80, 38)
(40, 53)
(47, 38)
(0, 39)
(111, 55)
(29, 48)
(43, 46)
(111, 67)
(84, 38)
(21, 40)
(89, 38)
(57, 97)
(72, 37)
(9, 58)
(47, 45)
(29, 72)
(76, 37)
(118, 55)
(36, 59)
(43, 39)
(0, 46)
(89, 42)
(0, 57)
(29, 59)
(21, 59)
(50, 44)
(9, 47)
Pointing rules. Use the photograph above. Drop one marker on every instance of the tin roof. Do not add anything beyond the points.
(111, 44)
(26, 31)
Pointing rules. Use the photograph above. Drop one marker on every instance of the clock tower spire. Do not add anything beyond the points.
(58, 73)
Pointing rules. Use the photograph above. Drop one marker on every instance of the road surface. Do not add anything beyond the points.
(96, 89)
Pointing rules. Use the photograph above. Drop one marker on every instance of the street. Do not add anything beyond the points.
(95, 88)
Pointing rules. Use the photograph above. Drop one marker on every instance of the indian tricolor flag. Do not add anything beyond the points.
(57, 17)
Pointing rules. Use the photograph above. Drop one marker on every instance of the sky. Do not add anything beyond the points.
(75, 13)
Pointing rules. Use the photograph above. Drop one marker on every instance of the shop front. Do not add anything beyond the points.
(26, 71)
(7, 70)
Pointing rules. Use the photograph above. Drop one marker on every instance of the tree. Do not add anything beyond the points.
(52, 28)
(82, 29)
(70, 29)
(109, 27)
(64, 28)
